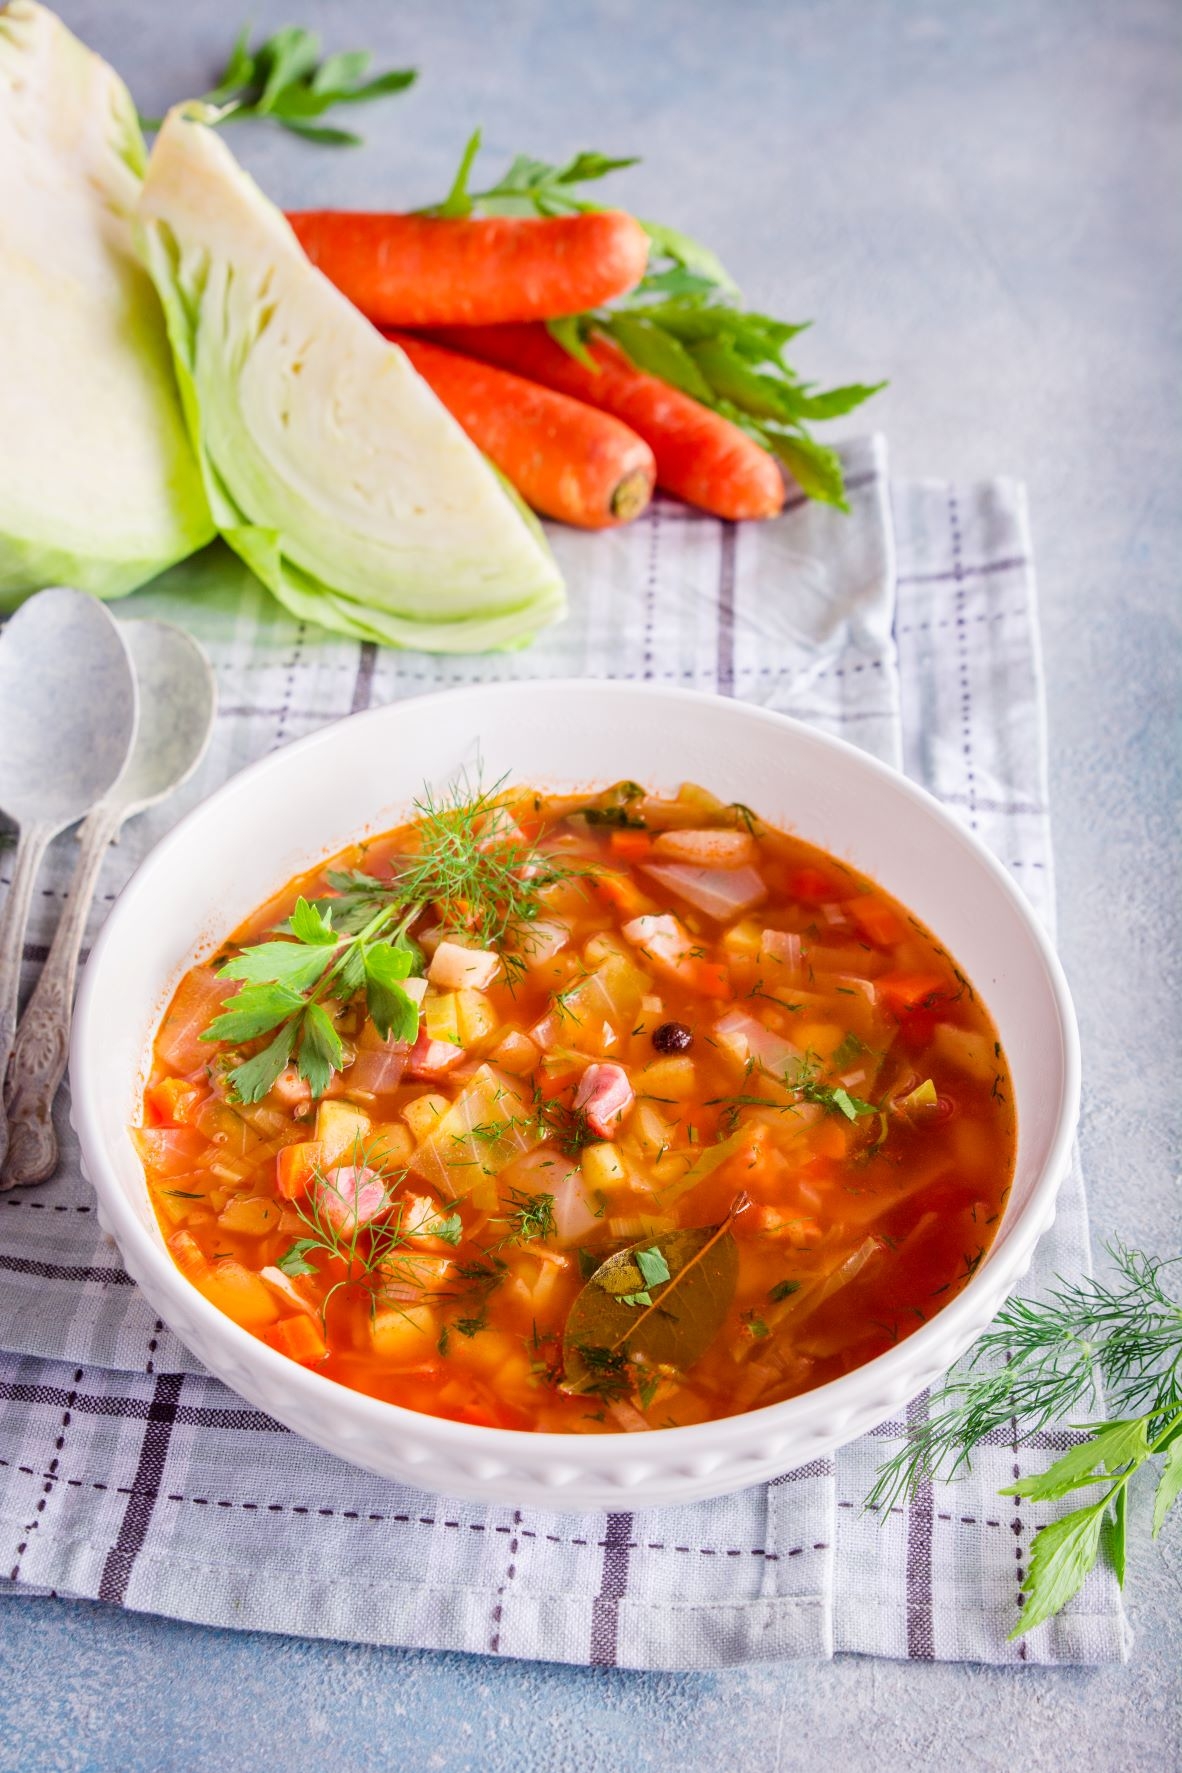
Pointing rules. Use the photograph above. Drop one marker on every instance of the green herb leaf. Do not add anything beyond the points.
(783, 1290)
(449, 1230)
(1118, 1534)
(284, 80)
(1112, 1446)
(296, 965)
(652, 1266)
(311, 924)
(1060, 1558)
(295, 1261)
(254, 1010)
(1169, 1485)
(394, 1014)
(321, 1052)
(251, 1080)
(684, 1315)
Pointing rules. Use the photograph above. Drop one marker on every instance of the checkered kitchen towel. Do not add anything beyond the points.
(128, 1475)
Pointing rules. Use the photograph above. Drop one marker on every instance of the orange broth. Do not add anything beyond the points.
(709, 1024)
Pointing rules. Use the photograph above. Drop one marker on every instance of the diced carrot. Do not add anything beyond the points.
(295, 1167)
(876, 921)
(300, 1338)
(631, 845)
(621, 892)
(172, 1101)
(812, 886)
(905, 992)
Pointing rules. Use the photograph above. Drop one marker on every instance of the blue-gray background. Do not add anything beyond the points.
(984, 204)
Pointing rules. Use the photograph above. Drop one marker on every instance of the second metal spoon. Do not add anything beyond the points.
(177, 700)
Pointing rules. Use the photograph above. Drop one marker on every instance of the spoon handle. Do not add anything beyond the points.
(30, 850)
(43, 1040)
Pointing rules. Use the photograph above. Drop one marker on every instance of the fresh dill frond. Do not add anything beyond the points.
(478, 870)
(1041, 1360)
(1122, 1338)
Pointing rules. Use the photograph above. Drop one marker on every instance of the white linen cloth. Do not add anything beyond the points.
(129, 1475)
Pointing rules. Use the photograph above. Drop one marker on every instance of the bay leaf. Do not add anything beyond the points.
(671, 1323)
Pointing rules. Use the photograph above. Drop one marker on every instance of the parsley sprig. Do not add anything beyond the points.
(285, 983)
(285, 80)
(1040, 1361)
(683, 323)
(471, 865)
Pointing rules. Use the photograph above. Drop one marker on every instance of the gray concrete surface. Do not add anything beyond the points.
(984, 204)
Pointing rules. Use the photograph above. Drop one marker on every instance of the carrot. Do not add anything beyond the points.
(295, 1166)
(565, 459)
(701, 457)
(413, 270)
(300, 1338)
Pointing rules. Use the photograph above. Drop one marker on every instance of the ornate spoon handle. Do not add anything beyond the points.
(43, 1039)
(13, 921)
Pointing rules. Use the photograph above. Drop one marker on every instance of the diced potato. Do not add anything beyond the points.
(486, 1351)
(516, 1054)
(340, 1128)
(743, 940)
(250, 1214)
(822, 1038)
(415, 989)
(603, 946)
(424, 1114)
(603, 1166)
(441, 1016)
(404, 1334)
(475, 1017)
(244, 1296)
(675, 1077)
(390, 1145)
(454, 968)
(968, 1051)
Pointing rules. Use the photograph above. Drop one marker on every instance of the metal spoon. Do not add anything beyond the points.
(178, 697)
(68, 711)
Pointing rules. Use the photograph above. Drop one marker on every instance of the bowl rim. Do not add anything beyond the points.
(959, 1322)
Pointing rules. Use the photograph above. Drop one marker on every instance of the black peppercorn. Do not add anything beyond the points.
(673, 1037)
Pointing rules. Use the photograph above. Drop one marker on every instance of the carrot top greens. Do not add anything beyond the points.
(684, 323)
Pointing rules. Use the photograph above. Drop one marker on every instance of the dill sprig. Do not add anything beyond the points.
(376, 1254)
(476, 868)
(1116, 1341)
(472, 866)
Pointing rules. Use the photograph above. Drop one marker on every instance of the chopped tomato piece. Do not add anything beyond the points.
(295, 1167)
(903, 992)
(299, 1338)
(812, 886)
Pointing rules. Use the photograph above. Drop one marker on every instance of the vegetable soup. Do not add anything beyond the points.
(579, 1113)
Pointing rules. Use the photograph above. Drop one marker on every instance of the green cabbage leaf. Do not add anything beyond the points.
(328, 463)
(99, 486)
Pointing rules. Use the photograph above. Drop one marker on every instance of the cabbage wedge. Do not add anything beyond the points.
(329, 464)
(99, 487)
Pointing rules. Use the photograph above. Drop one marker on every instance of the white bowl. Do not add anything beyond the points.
(313, 797)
